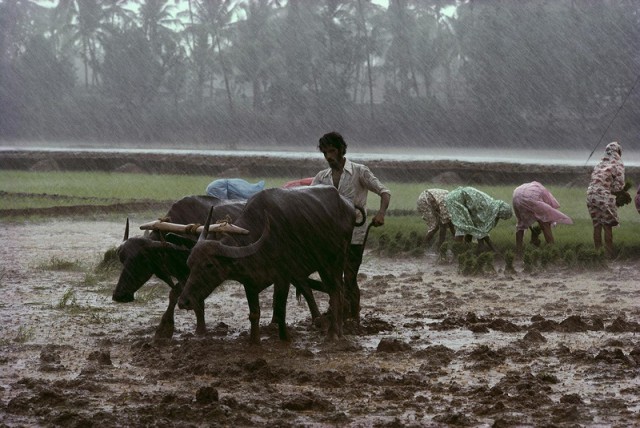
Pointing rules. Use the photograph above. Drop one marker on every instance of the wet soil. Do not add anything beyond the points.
(434, 348)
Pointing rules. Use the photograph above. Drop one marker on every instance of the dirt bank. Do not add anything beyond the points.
(435, 348)
(452, 171)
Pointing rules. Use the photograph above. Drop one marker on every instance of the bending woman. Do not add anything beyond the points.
(474, 214)
(533, 202)
(434, 212)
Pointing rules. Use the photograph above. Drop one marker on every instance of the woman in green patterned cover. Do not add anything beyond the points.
(474, 214)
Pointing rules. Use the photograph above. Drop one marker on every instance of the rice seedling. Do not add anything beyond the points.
(509, 258)
(24, 334)
(67, 300)
(58, 264)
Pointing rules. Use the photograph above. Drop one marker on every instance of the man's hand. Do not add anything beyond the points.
(378, 220)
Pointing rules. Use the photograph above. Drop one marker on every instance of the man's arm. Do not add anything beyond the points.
(378, 219)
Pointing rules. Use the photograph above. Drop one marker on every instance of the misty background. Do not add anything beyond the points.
(433, 74)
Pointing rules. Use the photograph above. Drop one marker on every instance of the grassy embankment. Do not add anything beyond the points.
(25, 190)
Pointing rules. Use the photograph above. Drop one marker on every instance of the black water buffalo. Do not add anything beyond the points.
(293, 233)
(166, 257)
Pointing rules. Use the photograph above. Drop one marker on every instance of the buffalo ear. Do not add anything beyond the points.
(180, 240)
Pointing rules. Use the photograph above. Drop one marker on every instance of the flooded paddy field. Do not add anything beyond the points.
(557, 348)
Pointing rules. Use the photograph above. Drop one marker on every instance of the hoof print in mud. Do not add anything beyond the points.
(207, 395)
(101, 357)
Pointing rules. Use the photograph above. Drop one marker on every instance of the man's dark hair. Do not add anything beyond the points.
(333, 139)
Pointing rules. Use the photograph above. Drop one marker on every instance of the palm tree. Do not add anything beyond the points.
(157, 19)
(400, 55)
(255, 45)
(86, 24)
(209, 27)
(364, 12)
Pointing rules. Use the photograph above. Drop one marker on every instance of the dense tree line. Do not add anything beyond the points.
(423, 72)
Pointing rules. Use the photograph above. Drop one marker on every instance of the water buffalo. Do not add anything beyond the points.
(166, 258)
(293, 233)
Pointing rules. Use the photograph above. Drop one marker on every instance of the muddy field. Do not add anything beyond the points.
(560, 348)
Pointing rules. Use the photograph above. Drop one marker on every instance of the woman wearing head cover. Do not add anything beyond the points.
(431, 205)
(474, 214)
(607, 178)
(533, 202)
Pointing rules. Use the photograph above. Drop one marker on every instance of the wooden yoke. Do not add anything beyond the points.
(192, 228)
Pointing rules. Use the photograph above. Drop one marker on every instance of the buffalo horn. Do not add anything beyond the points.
(182, 228)
(205, 229)
(234, 252)
(126, 230)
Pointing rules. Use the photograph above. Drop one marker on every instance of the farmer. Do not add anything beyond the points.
(607, 179)
(474, 214)
(353, 181)
(533, 202)
(434, 213)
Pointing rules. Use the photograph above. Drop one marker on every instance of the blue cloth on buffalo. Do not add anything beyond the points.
(233, 188)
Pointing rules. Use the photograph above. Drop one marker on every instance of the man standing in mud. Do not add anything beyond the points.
(353, 181)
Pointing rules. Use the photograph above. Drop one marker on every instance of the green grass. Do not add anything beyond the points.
(112, 186)
(58, 264)
(23, 335)
(67, 300)
(98, 187)
(93, 184)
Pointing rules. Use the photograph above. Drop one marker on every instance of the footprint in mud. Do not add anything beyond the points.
(207, 395)
(50, 360)
(101, 357)
(307, 402)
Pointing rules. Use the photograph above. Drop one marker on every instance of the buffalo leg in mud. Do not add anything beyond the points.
(316, 285)
(280, 295)
(301, 290)
(167, 323)
(254, 315)
(305, 288)
(335, 287)
(198, 308)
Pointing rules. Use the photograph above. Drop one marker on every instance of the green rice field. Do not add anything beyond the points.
(24, 190)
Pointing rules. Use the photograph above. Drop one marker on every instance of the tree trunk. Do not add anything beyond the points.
(226, 78)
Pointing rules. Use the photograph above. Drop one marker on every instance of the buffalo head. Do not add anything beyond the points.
(142, 258)
(211, 263)
(136, 267)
